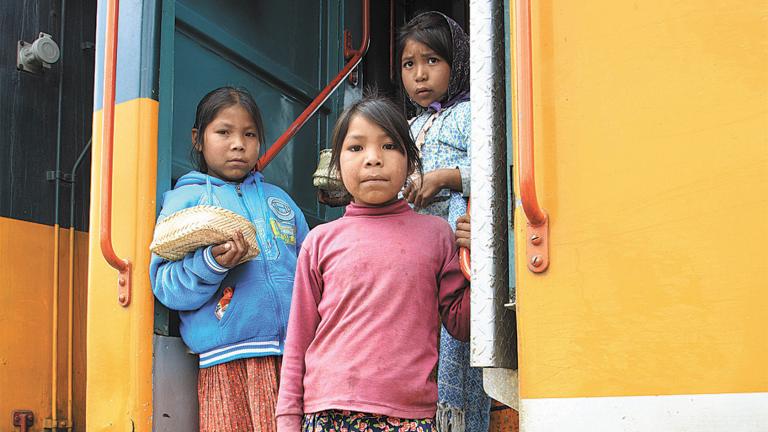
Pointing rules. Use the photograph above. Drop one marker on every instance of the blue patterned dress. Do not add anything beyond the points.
(464, 406)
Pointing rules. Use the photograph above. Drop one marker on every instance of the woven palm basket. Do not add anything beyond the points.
(192, 228)
(326, 177)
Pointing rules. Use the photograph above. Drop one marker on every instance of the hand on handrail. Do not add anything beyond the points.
(463, 240)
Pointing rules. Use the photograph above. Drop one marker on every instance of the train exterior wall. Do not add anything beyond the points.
(45, 119)
(26, 254)
(651, 158)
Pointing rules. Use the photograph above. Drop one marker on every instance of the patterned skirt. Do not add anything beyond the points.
(335, 420)
(239, 396)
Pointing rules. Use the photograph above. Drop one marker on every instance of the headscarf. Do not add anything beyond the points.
(458, 85)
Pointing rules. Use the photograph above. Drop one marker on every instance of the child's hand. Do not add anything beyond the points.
(421, 190)
(463, 231)
(230, 253)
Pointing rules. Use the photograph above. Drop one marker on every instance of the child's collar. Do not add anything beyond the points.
(438, 106)
(252, 177)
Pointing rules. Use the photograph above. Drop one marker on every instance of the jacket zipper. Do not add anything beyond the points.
(265, 265)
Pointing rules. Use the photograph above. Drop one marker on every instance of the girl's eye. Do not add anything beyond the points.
(250, 134)
(355, 148)
(407, 64)
(433, 60)
(389, 146)
(222, 132)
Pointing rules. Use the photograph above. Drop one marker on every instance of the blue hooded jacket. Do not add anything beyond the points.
(255, 320)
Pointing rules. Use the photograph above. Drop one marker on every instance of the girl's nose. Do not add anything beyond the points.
(373, 158)
(237, 142)
(420, 73)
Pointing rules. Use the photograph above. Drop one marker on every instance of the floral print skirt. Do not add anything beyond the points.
(350, 421)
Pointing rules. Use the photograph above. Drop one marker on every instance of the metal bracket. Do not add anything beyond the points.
(537, 246)
(124, 285)
(23, 419)
(53, 175)
(58, 424)
(350, 52)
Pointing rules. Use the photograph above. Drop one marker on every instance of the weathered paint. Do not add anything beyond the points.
(652, 162)
(26, 275)
(120, 339)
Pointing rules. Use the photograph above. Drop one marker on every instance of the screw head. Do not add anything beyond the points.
(121, 298)
(121, 281)
(536, 260)
(535, 240)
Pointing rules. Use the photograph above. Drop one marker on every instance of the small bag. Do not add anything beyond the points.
(192, 228)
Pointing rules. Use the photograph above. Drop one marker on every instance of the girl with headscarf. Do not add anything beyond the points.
(434, 69)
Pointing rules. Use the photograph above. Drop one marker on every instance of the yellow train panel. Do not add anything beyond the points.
(26, 293)
(120, 338)
(652, 159)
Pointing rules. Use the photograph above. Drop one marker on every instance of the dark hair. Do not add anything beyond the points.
(208, 109)
(385, 114)
(432, 30)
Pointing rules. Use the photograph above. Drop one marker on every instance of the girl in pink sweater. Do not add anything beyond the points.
(361, 348)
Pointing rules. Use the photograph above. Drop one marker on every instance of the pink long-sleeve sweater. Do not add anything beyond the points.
(363, 329)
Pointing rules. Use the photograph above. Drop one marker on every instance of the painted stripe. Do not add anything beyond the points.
(235, 354)
(239, 345)
(137, 44)
(733, 412)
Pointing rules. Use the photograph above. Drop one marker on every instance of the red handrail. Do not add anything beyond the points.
(321, 98)
(464, 259)
(533, 211)
(107, 142)
(537, 219)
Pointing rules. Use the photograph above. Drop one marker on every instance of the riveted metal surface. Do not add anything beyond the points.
(492, 325)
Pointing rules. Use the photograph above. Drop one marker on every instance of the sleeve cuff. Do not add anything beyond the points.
(210, 261)
(465, 180)
(289, 423)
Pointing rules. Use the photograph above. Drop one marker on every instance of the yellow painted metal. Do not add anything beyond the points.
(26, 357)
(70, 323)
(119, 393)
(55, 327)
(651, 137)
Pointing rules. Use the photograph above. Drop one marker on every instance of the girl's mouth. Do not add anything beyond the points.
(373, 180)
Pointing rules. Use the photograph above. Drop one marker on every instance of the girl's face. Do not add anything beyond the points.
(230, 144)
(373, 168)
(425, 74)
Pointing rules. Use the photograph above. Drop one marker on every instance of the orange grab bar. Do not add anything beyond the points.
(107, 140)
(464, 261)
(537, 241)
(275, 148)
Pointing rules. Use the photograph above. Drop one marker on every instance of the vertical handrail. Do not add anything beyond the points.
(107, 142)
(321, 97)
(538, 222)
(465, 263)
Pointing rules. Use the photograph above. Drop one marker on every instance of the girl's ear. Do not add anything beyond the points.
(195, 144)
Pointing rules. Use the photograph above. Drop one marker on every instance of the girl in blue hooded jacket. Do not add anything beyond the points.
(233, 316)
